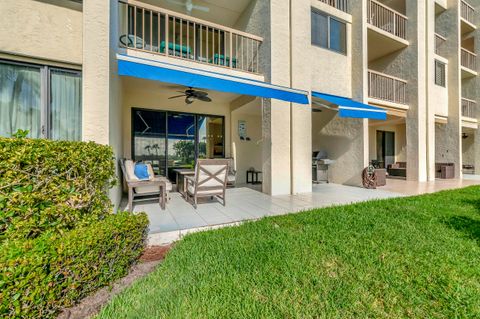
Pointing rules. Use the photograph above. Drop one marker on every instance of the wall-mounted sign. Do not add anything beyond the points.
(242, 129)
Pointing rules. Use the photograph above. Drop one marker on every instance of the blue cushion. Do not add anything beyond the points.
(141, 171)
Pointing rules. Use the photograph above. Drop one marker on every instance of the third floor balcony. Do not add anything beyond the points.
(162, 32)
(387, 19)
(467, 13)
(469, 63)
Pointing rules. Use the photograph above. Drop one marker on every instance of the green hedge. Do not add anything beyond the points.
(52, 185)
(40, 276)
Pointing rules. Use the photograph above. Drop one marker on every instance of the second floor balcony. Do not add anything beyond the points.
(387, 88)
(469, 108)
(150, 29)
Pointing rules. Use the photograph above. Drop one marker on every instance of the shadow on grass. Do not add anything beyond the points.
(470, 227)
(473, 203)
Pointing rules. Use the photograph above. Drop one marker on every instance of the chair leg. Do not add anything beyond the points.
(195, 202)
(130, 199)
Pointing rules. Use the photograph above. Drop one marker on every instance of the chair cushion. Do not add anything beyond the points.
(191, 190)
(141, 171)
(147, 189)
(129, 171)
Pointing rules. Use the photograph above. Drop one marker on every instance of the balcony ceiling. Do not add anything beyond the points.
(380, 45)
(223, 12)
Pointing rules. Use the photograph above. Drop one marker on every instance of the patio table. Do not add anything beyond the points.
(182, 174)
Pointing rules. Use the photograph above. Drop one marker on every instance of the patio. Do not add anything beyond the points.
(180, 217)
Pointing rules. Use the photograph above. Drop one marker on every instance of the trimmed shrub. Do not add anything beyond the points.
(52, 186)
(40, 276)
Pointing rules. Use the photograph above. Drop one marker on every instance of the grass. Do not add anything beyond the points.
(416, 257)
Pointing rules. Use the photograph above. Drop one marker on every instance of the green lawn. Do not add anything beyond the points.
(416, 257)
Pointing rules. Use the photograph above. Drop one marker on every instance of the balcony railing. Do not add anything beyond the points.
(339, 4)
(469, 59)
(439, 43)
(467, 12)
(469, 108)
(387, 88)
(382, 17)
(156, 30)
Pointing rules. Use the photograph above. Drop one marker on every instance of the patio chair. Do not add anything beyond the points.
(155, 186)
(210, 180)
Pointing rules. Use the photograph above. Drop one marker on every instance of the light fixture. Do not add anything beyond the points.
(464, 135)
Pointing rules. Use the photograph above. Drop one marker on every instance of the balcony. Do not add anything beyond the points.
(386, 88)
(162, 32)
(387, 19)
(469, 63)
(338, 4)
(439, 44)
(467, 12)
(469, 108)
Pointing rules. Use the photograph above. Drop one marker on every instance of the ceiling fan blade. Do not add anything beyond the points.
(176, 96)
(200, 93)
(204, 98)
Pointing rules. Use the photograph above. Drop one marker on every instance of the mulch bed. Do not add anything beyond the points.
(91, 305)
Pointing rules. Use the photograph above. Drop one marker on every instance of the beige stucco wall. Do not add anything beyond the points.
(41, 30)
(400, 141)
(249, 153)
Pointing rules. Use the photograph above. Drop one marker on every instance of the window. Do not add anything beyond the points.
(328, 32)
(440, 73)
(43, 100)
(172, 140)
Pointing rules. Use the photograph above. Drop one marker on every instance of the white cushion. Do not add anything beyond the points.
(147, 189)
(130, 171)
(191, 190)
(231, 178)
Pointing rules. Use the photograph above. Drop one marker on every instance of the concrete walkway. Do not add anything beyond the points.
(411, 188)
(243, 204)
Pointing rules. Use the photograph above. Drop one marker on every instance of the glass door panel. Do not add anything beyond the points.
(210, 137)
(149, 139)
(181, 142)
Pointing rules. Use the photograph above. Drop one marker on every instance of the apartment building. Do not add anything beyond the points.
(266, 82)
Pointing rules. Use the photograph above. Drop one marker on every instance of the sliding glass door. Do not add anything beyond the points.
(172, 140)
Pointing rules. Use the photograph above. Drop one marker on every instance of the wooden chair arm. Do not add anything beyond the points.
(145, 183)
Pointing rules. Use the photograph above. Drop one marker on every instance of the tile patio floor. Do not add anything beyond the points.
(180, 218)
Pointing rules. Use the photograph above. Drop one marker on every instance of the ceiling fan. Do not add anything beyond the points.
(189, 6)
(191, 95)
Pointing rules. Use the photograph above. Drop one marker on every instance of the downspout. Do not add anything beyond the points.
(290, 40)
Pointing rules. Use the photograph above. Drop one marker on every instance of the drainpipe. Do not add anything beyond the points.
(290, 40)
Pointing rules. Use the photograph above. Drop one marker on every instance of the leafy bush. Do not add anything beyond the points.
(39, 276)
(52, 186)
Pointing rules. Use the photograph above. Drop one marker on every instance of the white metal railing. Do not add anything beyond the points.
(469, 59)
(439, 43)
(156, 30)
(387, 19)
(467, 12)
(339, 4)
(387, 88)
(469, 108)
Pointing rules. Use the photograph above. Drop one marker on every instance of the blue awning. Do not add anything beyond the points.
(190, 77)
(350, 108)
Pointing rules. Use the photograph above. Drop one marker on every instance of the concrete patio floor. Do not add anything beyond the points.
(180, 217)
(243, 204)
